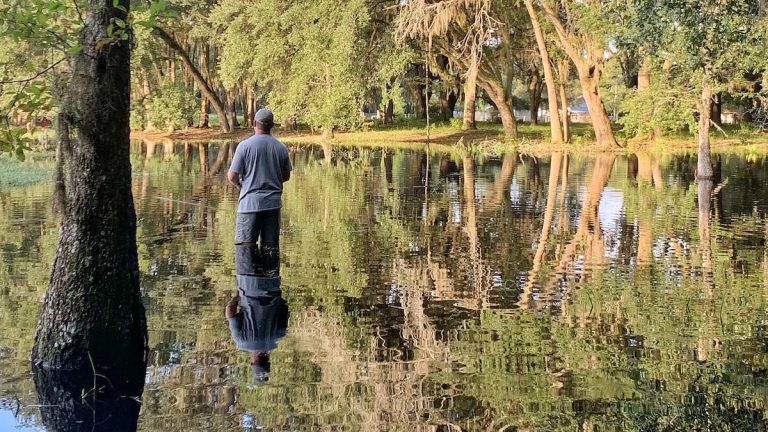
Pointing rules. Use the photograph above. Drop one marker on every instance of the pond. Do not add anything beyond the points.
(437, 292)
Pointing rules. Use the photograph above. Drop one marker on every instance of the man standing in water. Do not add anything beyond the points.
(259, 168)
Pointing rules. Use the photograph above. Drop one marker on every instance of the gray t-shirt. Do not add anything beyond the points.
(262, 161)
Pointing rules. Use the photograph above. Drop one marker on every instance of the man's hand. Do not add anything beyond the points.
(231, 309)
(234, 179)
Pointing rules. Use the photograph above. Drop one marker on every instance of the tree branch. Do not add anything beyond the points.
(37, 75)
(562, 33)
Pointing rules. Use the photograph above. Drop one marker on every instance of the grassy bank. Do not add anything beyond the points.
(37, 167)
(531, 138)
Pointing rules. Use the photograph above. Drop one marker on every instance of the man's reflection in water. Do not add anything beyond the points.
(258, 314)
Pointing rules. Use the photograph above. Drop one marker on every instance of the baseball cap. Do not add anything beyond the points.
(264, 117)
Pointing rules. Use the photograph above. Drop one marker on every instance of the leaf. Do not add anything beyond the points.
(20, 153)
(75, 50)
(120, 23)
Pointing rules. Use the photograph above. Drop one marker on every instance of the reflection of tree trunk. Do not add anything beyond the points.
(644, 242)
(471, 227)
(705, 231)
(222, 156)
(546, 227)
(202, 150)
(327, 153)
(563, 224)
(501, 186)
(92, 315)
(151, 145)
(588, 233)
(644, 173)
(658, 180)
(705, 249)
(69, 401)
(168, 149)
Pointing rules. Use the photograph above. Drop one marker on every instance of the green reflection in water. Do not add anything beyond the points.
(439, 292)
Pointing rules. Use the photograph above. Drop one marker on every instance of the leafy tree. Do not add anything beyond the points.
(308, 57)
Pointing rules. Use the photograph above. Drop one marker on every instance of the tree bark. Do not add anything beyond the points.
(565, 120)
(470, 96)
(250, 107)
(533, 96)
(589, 63)
(205, 88)
(205, 104)
(389, 112)
(231, 97)
(416, 91)
(590, 88)
(716, 109)
(92, 315)
(704, 163)
(556, 130)
(496, 93)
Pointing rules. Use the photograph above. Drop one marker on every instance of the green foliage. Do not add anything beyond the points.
(308, 55)
(662, 106)
(171, 107)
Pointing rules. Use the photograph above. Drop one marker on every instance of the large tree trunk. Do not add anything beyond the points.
(589, 78)
(470, 97)
(534, 85)
(564, 71)
(716, 109)
(232, 105)
(205, 104)
(205, 88)
(92, 314)
(549, 78)
(416, 91)
(250, 106)
(448, 103)
(704, 164)
(496, 93)
(643, 84)
(589, 63)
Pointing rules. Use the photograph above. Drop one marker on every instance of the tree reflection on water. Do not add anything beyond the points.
(557, 292)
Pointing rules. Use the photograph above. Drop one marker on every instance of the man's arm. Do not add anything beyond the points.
(234, 179)
(286, 166)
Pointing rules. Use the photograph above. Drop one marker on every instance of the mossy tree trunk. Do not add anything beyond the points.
(92, 314)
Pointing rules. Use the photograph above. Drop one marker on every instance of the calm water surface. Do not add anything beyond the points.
(437, 292)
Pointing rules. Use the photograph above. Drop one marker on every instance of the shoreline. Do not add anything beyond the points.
(485, 139)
